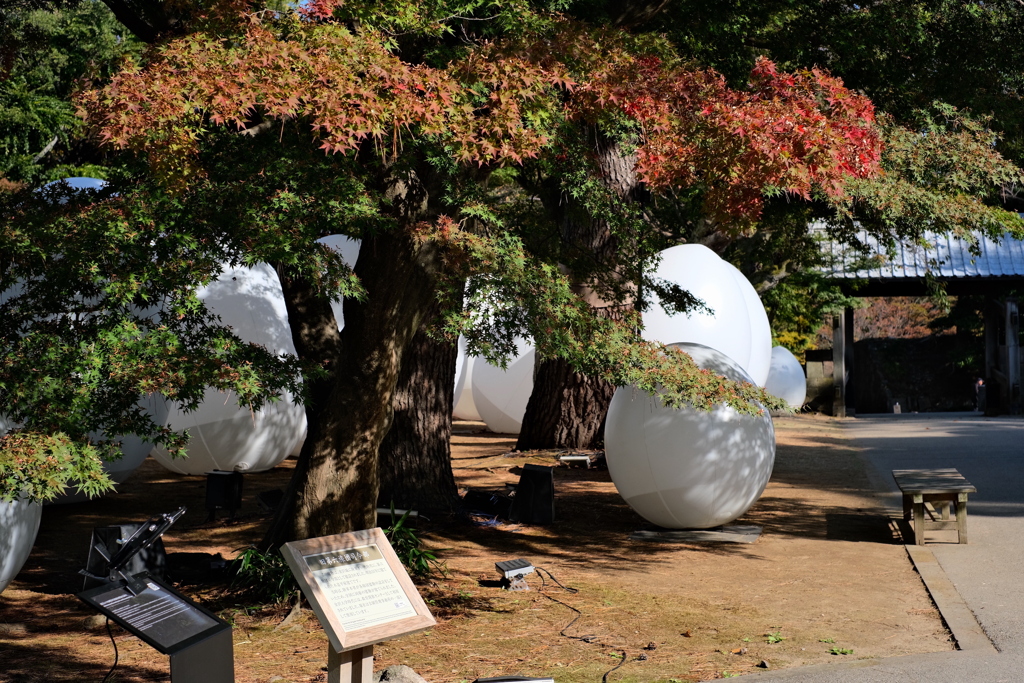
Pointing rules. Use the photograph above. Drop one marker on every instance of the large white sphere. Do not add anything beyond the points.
(19, 523)
(79, 183)
(738, 326)
(225, 436)
(684, 468)
(348, 247)
(500, 395)
(760, 358)
(786, 378)
(463, 406)
(133, 453)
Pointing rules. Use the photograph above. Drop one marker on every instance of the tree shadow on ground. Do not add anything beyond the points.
(33, 664)
(25, 619)
(593, 522)
(62, 546)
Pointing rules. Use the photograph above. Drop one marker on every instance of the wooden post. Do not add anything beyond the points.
(991, 339)
(839, 365)
(961, 517)
(849, 392)
(1013, 355)
(918, 519)
(993, 382)
(350, 666)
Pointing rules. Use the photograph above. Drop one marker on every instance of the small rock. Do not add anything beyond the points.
(293, 615)
(642, 657)
(94, 621)
(399, 673)
(277, 679)
(687, 634)
(764, 664)
(13, 629)
(651, 646)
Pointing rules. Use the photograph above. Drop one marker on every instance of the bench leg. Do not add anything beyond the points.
(907, 514)
(918, 519)
(961, 516)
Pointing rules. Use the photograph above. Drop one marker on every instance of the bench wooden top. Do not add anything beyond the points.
(945, 480)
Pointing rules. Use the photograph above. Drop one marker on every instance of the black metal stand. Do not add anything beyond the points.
(198, 641)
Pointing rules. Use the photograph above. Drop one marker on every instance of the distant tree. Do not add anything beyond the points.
(896, 318)
(45, 54)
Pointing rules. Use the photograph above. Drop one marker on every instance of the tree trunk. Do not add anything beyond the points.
(415, 457)
(335, 485)
(567, 409)
(570, 409)
(315, 334)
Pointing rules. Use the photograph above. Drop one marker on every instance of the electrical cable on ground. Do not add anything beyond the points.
(579, 614)
(604, 679)
(114, 643)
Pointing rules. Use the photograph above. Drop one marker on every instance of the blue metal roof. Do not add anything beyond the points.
(941, 256)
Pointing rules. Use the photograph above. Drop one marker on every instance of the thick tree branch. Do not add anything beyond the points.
(149, 20)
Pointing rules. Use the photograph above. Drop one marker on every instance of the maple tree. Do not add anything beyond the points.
(905, 55)
(264, 131)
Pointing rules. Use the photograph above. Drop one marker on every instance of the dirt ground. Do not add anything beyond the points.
(829, 574)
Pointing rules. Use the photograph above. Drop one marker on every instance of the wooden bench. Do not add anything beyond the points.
(940, 487)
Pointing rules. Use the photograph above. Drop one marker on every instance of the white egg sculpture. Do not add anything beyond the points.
(224, 435)
(348, 247)
(760, 358)
(500, 396)
(19, 523)
(738, 326)
(133, 453)
(79, 183)
(786, 378)
(684, 468)
(463, 406)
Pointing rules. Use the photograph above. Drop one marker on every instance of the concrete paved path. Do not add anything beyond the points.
(988, 573)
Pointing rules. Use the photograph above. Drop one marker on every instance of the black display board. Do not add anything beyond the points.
(159, 615)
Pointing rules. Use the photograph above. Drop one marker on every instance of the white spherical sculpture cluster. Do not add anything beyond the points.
(224, 435)
(684, 468)
(19, 523)
(738, 327)
(500, 396)
(786, 378)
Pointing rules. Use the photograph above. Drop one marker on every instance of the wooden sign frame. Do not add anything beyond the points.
(299, 555)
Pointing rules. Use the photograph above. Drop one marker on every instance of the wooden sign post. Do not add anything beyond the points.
(361, 594)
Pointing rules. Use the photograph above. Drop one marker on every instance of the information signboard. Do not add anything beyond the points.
(358, 588)
(158, 614)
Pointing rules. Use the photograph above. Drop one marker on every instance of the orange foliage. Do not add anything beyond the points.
(502, 103)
